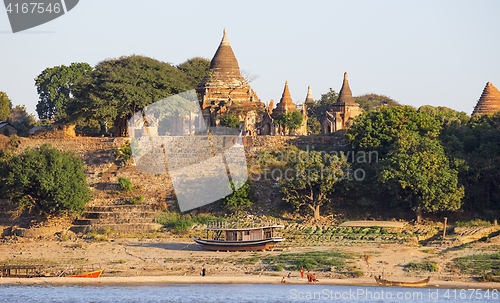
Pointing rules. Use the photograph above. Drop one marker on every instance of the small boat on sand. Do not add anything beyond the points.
(92, 274)
(402, 283)
(221, 236)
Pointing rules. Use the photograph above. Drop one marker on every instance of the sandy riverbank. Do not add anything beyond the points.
(179, 260)
(247, 279)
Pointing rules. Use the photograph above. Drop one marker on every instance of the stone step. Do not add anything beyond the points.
(121, 208)
(118, 221)
(128, 228)
(118, 215)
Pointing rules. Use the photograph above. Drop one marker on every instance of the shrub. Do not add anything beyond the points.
(241, 198)
(135, 200)
(230, 121)
(100, 238)
(182, 222)
(122, 153)
(357, 273)
(278, 267)
(125, 184)
(473, 223)
(422, 266)
(45, 179)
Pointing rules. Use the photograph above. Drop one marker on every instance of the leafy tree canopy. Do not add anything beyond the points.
(54, 87)
(291, 120)
(378, 130)
(196, 69)
(310, 180)
(445, 115)
(318, 108)
(5, 106)
(370, 102)
(21, 120)
(418, 172)
(46, 180)
(118, 88)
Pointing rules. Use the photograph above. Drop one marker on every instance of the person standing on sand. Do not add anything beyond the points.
(203, 271)
(302, 272)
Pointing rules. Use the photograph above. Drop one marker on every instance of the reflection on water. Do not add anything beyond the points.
(235, 293)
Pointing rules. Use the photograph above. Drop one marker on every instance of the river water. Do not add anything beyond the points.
(236, 293)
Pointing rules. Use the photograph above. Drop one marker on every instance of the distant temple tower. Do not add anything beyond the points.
(489, 102)
(285, 106)
(309, 99)
(342, 111)
(224, 91)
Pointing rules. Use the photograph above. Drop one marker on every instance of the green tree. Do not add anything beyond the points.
(476, 142)
(447, 116)
(311, 182)
(196, 69)
(54, 87)
(5, 106)
(45, 179)
(313, 126)
(290, 121)
(230, 121)
(370, 102)
(21, 120)
(378, 130)
(418, 172)
(118, 88)
(316, 110)
(241, 198)
(294, 120)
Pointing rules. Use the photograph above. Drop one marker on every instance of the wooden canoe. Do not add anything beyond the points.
(401, 283)
(92, 274)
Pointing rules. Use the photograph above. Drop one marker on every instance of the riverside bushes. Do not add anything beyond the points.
(46, 180)
(181, 222)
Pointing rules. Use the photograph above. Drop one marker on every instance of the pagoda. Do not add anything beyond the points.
(286, 104)
(225, 91)
(345, 109)
(489, 102)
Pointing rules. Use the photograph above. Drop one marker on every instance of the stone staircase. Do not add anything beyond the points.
(124, 219)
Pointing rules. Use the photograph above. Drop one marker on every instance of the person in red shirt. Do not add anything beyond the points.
(302, 272)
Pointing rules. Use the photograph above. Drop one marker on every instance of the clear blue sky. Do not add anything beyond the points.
(440, 53)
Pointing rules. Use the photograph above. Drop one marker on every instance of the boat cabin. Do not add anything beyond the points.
(232, 236)
(223, 232)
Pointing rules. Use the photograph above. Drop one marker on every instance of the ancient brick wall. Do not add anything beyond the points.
(269, 142)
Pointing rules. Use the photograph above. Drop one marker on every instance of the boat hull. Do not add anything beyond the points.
(400, 283)
(92, 274)
(265, 244)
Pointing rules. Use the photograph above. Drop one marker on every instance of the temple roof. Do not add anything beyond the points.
(285, 97)
(489, 102)
(224, 60)
(286, 104)
(345, 95)
(309, 97)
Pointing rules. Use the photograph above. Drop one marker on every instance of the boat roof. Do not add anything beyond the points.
(244, 229)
